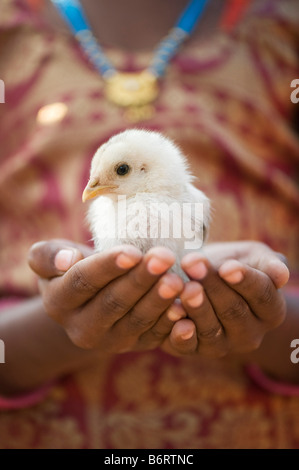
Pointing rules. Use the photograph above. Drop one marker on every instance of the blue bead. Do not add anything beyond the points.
(73, 14)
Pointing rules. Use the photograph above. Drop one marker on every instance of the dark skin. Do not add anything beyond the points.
(128, 297)
(107, 303)
(99, 304)
(118, 24)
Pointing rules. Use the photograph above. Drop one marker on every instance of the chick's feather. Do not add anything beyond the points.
(143, 194)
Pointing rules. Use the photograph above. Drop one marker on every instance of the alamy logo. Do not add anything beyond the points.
(295, 94)
(295, 353)
(2, 352)
(156, 220)
(2, 92)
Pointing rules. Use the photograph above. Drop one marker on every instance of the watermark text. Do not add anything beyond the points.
(2, 352)
(157, 220)
(295, 353)
(295, 93)
(2, 92)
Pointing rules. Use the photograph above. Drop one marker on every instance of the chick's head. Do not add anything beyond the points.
(137, 161)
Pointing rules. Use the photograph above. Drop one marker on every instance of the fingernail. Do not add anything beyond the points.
(166, 291)
(157, 266)
(195, 301)
(196, 269)
(175, 314)
(64, 259)
(232, 271)
(126, 261)
(176, 311)
(278, 272)
(234, 277)
(172, 315)
(187, 335)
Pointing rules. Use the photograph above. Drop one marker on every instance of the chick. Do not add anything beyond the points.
(143, 195)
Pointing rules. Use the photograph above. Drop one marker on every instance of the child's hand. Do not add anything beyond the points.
(119, 300)
(113, 301)
(231, 301)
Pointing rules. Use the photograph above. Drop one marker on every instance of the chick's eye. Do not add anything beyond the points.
(122, 169)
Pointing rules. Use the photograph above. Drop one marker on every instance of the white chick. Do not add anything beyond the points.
(143, 195)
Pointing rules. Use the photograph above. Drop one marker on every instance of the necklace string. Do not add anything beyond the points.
(74, 15)
(138, 89)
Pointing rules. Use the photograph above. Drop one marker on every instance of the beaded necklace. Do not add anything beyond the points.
(134, 91)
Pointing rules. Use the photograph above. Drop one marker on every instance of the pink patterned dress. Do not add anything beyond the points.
(227, 103)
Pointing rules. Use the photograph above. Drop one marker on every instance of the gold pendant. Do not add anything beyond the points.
(134, 91)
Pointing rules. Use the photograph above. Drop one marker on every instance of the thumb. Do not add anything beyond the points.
(53, 258)
(275, 265)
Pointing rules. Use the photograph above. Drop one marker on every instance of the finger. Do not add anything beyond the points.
(121, 295)
(275, 267)
(153, 314)
(176, 311)
(53, 258)
(210, 334)
(264, 259)
(232, 310)
(88, 276)
(101, 300)
(108, 307)
(257, 288)
(256, 254)
(183, 339)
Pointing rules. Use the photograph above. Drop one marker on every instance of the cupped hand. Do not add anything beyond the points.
(231, 301)
(113, 301)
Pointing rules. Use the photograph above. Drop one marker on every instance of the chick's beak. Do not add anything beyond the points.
(94, 189)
